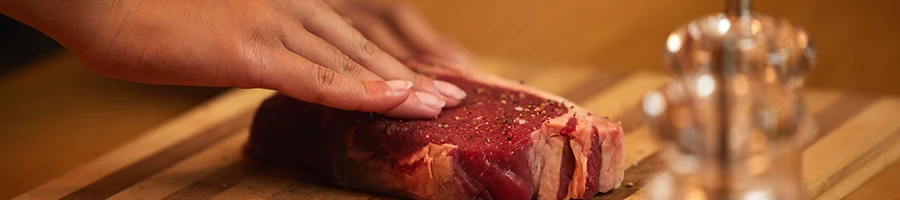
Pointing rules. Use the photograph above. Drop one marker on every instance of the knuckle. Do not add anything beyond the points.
(368, 50)
(326, 78)
(347, 66)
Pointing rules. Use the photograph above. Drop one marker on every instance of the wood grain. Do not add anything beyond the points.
(189, 124)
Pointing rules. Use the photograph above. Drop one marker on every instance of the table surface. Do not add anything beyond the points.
(197, 153)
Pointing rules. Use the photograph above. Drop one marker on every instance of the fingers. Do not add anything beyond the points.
(422, 37)
(320, 52)
(415, 29)
(457, 53)
(404, 21)
(379, 31)
(332, 28)
(296, 77)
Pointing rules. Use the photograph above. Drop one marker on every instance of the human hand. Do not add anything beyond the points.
(301, 48)
(401, 31)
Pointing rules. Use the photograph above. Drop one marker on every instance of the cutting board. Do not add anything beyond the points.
(197, 155)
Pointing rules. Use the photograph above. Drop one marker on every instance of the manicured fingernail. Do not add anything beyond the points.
(399, 84)
(449, 90)
(430, 100)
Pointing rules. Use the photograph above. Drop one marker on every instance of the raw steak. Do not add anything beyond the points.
(506, 140)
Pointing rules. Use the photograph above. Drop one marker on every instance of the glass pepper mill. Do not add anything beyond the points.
(731, 119)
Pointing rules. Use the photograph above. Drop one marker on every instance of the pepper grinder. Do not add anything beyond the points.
(731, 120)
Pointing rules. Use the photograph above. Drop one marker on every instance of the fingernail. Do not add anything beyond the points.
(430, 100)
(399, 84)
(449, 90)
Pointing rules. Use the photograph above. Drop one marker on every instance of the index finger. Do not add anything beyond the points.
(331, 27)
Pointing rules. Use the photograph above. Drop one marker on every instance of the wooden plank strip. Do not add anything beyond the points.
(507, 69)
(817, 100)
(636, 178)
(819, 103)
(846, 107)
(312, 190)
(230, 104)
(559, 80)
(634, 119)
(640, 145)
(624, 94)
(206, 162)
(263, 185)
(863, 168)
(875, 187)
(142, 169)
(217, 182)
(822, 159)
(493, 65)
(642, 161)
(599, 83)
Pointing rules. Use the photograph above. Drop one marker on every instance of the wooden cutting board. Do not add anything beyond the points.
(197, 155)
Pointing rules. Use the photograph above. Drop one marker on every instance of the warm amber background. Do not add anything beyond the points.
(858, 40)
(55, 114)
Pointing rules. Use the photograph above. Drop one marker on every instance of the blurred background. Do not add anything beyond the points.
(56, 114)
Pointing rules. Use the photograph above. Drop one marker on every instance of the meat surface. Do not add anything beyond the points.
(506, 140)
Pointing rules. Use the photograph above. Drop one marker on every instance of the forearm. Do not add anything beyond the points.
(72, 23)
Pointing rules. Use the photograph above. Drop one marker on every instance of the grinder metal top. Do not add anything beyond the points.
(731, 118)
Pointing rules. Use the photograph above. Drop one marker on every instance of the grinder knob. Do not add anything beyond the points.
(732, 118)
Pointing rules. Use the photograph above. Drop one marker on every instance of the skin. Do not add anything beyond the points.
(339, 53)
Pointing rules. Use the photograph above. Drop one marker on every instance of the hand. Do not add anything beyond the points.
(398, 29)
(302, 48)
